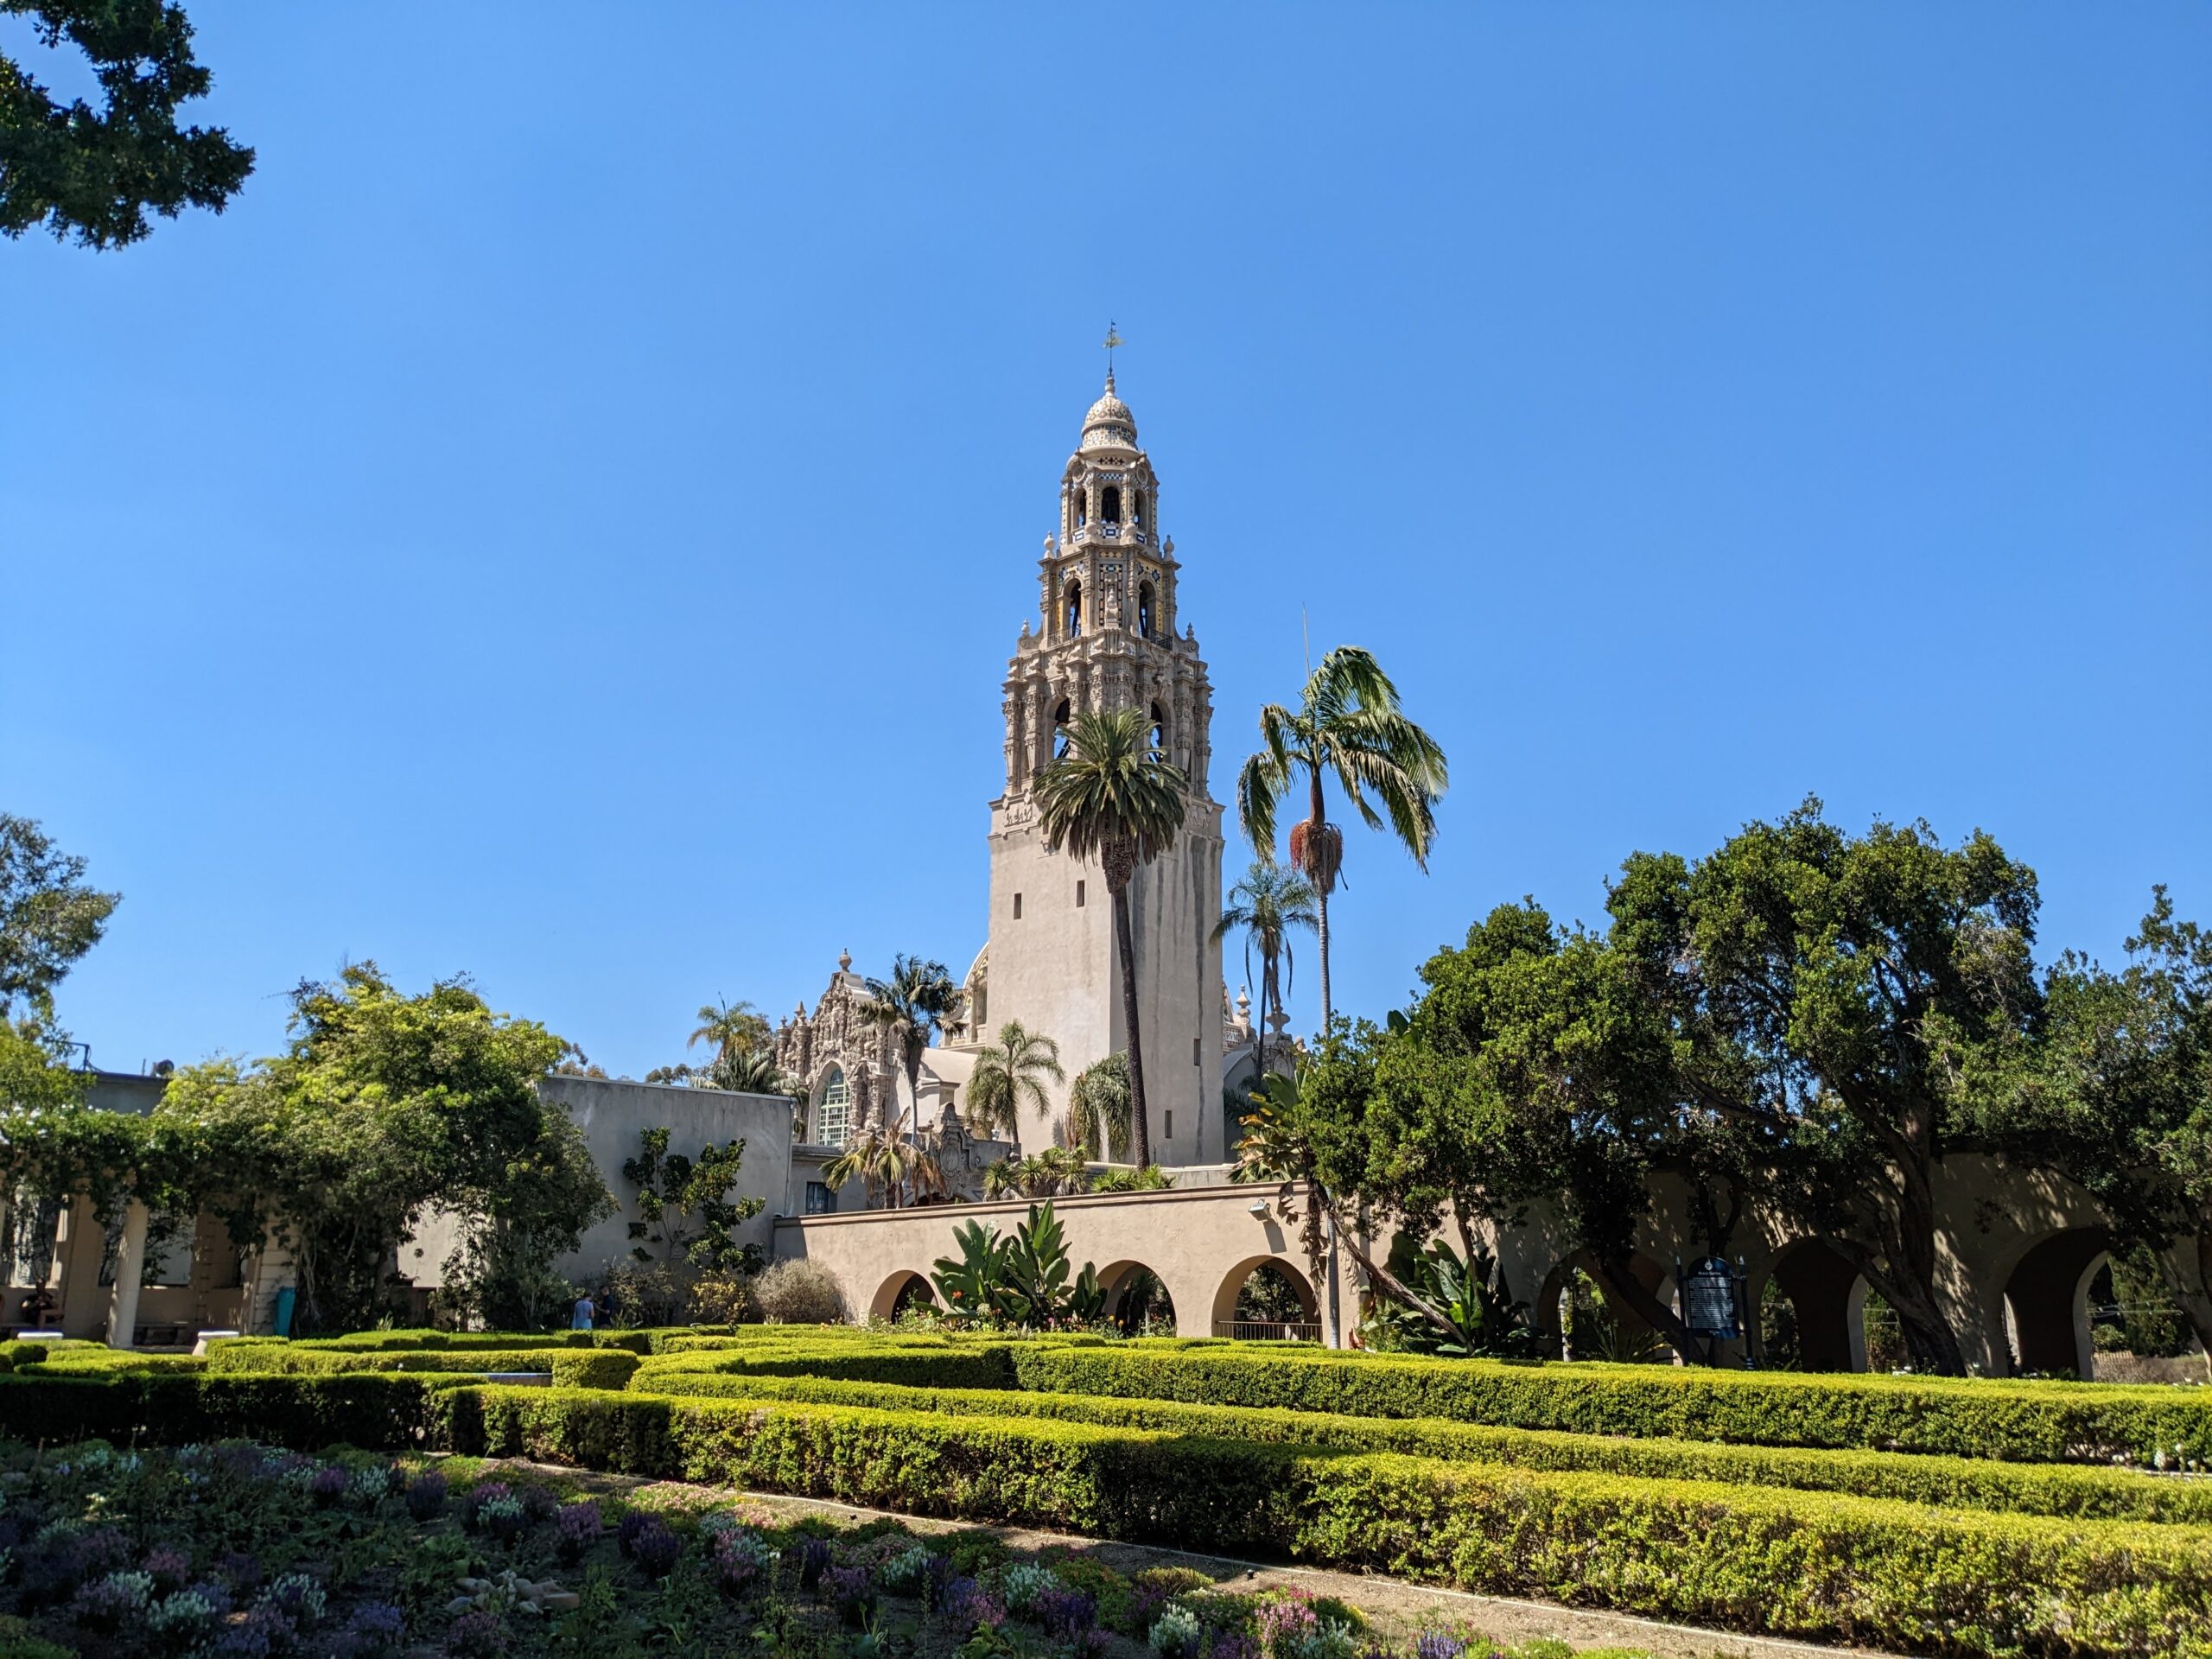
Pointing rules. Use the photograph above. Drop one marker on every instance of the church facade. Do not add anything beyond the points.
(1107, 635)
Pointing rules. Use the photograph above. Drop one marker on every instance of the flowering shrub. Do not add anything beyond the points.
(477, 1636)
(298, 1598)
(741, 1560)
(105, 1604)
(1023, 1583)
(259, 1634)
(169, 1569)
(1175, 1633)
(185, 1619)
(1437, 1645)
(850, 1592)
(426, 1496)
(1066, 1612)
(577, 1528)
(328, 1484)
(656, 1547)
(503, 1517)
(484, 1493)
(902, 1575)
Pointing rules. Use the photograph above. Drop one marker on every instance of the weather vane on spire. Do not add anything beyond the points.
(1113, 338)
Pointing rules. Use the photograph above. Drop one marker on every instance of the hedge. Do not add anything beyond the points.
(923, 1362)
(169, 1408)
(2029, 1422)
(14, 1353)
(1796, 1563)
(1793, 1563)
(1949, 1482)
(587, 1368)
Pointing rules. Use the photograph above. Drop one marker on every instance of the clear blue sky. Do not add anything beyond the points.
(569, 520)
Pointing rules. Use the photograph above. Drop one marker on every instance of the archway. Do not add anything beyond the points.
(1137, 1300)
(1804, 1313)
(1074, 608)
(1578, 1315)
(1283, 1287)
(1145, 619)
(903, 1290)
(2047, 1297)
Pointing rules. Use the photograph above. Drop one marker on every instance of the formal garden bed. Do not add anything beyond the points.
(1925, 1515)
(237, 1548)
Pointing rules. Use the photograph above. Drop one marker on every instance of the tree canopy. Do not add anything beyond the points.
(93, 174)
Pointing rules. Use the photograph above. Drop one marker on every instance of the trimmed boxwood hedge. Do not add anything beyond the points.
(1805, 1564)
(2029, 1422)
(163, 1408)
(582, 1368)
(1950, 1482)
(923, 1362)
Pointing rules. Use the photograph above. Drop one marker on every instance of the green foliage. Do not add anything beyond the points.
(1916, 1477)
(684, 1210)
(1269, 904)
(1114, 798)
(383, 1106)
(1009, 1079)
(49, 915)
(912, 1005)
(1151, 1178)
(583, 1368)
(1098, 1108)
(1482, 1319)
(93, 174)
(1023, 1279)
(1928, 1580)
(1831, 996)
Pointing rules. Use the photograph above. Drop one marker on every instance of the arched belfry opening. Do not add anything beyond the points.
(1159, 728)
(1137, 508)
(1072, 610)
(1144, 609)
(1110, 504)
(1078, 507)
(1062, 712)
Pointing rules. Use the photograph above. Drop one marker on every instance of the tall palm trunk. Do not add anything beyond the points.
(1321, 875)
(1321, 930)
(1119, 857)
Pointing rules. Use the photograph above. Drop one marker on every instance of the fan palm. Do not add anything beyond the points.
(1114, 795)
(1010, 1075)
(756, 1073)
(1267, 904)
(1348, 724)
(884, 1160)
(911, 1005)
(1098, 1107)
(734, 1028)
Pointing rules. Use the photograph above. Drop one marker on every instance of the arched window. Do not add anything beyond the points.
(833, 1111)
(1137, 508)
(1110, 506)
(1144, 609)
(1159, 728)
(1074, 609)
(1061, 715)
(1077, 505)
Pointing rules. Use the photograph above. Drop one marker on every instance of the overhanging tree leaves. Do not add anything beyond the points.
(383, 1107)
(684, 1209)
(93, 174)
(1830, 995)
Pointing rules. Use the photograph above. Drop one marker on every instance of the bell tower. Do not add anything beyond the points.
(1107, 639)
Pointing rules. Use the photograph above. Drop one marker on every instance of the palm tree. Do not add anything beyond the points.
(911, 1005)
(882, 1158)
(1271, 900)
(1115, 795)
(1009, 1075)
(1050, 1173)
(1348, 723)
(734, 1028)
(756, 1073)
(1098, 1106)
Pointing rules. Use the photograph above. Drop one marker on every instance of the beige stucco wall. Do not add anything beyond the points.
(1202, 1244)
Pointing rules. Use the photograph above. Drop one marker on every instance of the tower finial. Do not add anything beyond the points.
(1113, 338)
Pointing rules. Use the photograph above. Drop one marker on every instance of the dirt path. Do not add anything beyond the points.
(1397, 1607)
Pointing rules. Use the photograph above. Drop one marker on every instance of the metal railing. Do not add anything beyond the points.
(1268, 1330)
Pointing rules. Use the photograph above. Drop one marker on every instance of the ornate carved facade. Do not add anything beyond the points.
(851, 1068)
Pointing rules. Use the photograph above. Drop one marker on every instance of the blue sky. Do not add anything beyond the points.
(568, 521)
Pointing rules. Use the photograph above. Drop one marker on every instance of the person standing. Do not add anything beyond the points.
(580, 1317)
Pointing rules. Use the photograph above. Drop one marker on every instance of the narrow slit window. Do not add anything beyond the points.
(1197, 1058)
(1167, 1124)
(1078, 895)
(1017, 907)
